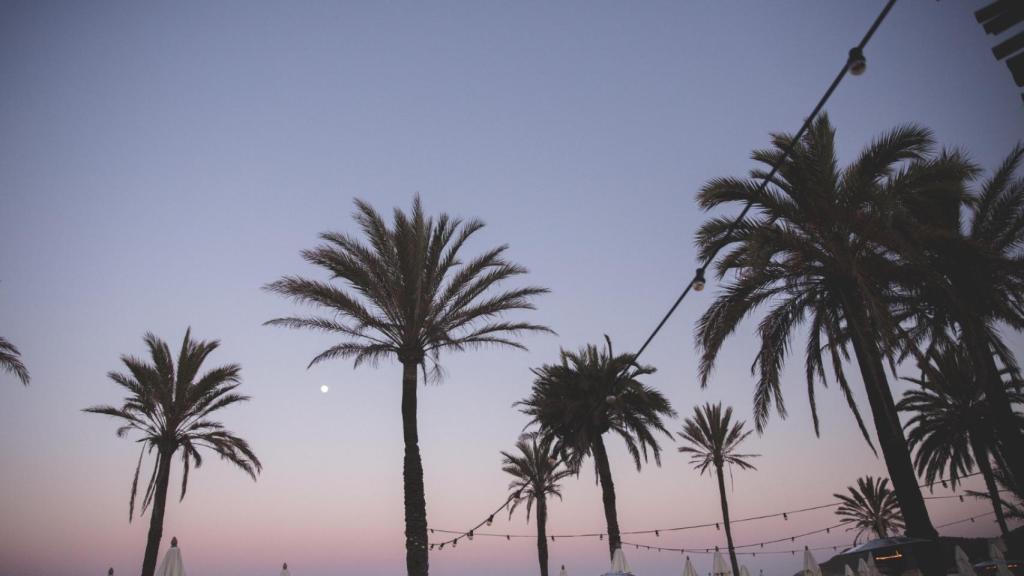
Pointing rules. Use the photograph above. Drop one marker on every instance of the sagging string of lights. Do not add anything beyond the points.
(792, 538)
(792, 551)
(554, 538)
(855, 64)
(469, 534)
(971, 519)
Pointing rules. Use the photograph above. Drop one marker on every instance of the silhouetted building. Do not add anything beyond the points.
(998, 18)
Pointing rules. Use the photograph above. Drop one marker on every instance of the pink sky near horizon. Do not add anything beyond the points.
(159, 164)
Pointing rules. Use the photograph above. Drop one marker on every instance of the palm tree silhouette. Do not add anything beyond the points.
(871, 507)
(813, 250)
(170, 406)
(715, 439)
(951, 423)
(537, 472)
(409, 296)
(970, 282)
(592, 392)
(10, 361)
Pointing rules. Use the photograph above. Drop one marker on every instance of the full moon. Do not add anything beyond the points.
(324, 388)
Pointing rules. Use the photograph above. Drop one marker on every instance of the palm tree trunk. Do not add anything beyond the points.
(725, 521)
(604, 474)
(887, 424)
(1008, 432)
(542, 534)
(416, 561)
(981, 457)
(156, 519)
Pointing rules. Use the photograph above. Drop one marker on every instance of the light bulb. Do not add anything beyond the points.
(856, 64)
(698, 280)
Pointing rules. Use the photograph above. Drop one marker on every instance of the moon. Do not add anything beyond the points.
(324, 388)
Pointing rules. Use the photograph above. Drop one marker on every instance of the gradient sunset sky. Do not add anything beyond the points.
(160, 162)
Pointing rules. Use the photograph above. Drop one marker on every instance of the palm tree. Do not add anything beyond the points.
(537, 471)
(589, 393)
(972, 282)
(870, 507)
(951, 425)
(170, 406)
(10, 361)
(715, 439)
(814, 249)
(408, 295)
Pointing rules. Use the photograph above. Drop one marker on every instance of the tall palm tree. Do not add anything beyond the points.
(815, 249)
(536, 470)
(406, 294)
(972, 282)
(715, 439)
(871, 507)
(589, 393)
(170, 405)
(951, 424)
(10, 361)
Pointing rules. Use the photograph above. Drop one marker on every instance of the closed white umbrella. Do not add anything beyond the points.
(688, 569)
(963, 563)
(284, 570)
(172, 564)
(996, 554)
(811, 567)
(619, 564)
(872, 569)
(563, 572)
(719, 567)
(744, 571)
(862, 568)
(847, 570)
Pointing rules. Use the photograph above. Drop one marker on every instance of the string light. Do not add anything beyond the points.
(855, 64)
(657, 531)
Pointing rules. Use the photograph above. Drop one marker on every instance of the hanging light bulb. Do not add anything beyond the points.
(600, 536)
(961, 496)
(856, 63)
(656, 533)
(717, 527)
(431, 546)
(698, 280)
(828, 530)
(470, 535)
(507, 537)
(785, 516)
(455, 543)
(442, 546)
(431, 530)
(552, 538)
(490, 520)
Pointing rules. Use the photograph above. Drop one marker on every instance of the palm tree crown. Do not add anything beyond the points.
(870, 507)
(951, 423)
(714, 439)
(170, 407)
(536, 471)
(10, 361)
(948, 414)
(408, 295)
(593, 391)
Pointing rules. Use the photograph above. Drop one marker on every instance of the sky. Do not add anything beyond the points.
(160, 162)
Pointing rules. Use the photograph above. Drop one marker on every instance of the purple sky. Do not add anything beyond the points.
(159, 163)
